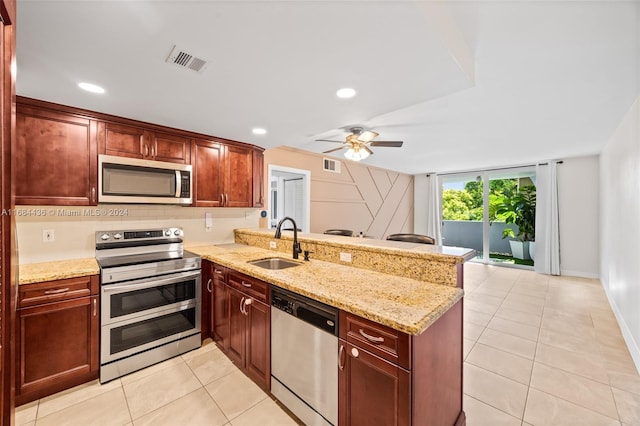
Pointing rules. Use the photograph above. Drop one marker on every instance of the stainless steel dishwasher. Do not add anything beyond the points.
(304, 357)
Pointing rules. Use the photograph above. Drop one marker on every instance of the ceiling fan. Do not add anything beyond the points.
(358, 143)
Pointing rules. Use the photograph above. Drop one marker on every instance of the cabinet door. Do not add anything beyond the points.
(170, 148)
(258, 359)
(56, 161)
(220, 305)
(207, 297)
(258, 178)
(57, 347)
(237, 327)
(123, 141)
(238, 177)
(207, 160)
(371, 391)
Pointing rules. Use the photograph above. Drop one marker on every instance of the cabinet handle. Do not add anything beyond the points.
(95, 306)
(93, 194)
(217, 271)
(247, 303)
(246, 284)
(58, 291)
(153, 151)
(242, 305)
(226, 203)
(221, 200)
(209, 285)
(146, 150)
(371, 338)
(340, 363)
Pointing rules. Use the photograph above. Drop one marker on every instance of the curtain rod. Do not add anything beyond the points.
(494, 169)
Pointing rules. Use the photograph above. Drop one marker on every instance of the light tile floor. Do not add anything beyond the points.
(538, 350)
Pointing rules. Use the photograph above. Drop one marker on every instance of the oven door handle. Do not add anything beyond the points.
(147, 283)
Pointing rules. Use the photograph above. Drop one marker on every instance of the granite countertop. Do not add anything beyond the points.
(448, 254)
(407, 305)
(57, 270)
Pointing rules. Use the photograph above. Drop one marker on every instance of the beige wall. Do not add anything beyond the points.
(75, 227)
(362, 198)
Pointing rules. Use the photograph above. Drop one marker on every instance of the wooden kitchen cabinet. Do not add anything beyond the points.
(223, 174)
(248, 324)
(258, 178)
(206, 299)
(387, 377)
(57, 336)
(56, 159)
(139, 142)
(219, 318)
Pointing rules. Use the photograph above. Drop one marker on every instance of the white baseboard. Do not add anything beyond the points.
(579, 274)
(632, 345)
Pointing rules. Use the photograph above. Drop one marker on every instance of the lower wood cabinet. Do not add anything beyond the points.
(57, 336)
(391, 378)
(241, 322)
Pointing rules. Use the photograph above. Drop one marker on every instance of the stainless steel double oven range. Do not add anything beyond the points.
(150, 299)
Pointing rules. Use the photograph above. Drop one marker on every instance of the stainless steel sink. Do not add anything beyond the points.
(274, 263)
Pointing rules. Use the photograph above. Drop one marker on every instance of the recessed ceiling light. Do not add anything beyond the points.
(259, 131)
(346, 93)
(91, 88)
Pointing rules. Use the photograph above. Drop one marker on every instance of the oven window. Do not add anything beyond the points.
(142, 332)
(148, 298)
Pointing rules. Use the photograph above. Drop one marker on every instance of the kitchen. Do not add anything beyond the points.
(73, 239)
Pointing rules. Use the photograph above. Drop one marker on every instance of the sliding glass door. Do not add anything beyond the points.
(492, 212)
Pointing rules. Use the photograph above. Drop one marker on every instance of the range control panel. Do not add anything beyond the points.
(137, 235)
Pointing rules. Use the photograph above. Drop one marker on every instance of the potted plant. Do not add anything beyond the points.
(520, 210)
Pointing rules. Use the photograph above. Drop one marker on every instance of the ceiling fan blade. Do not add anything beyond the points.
(367, 136)
(328, 140)
(366, 148)
(334, 149)
(394, 144)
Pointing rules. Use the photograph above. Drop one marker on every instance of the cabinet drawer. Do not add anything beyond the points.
(378, 339)
(219, 273)
(250, 286)
(55, 291)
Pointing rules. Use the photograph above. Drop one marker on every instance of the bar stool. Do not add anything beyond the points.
(345, 232)
(412, 238)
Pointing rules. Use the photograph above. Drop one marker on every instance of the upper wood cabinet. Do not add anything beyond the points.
(258, 178)
(56, 158)
(223, 174)
(137, 142)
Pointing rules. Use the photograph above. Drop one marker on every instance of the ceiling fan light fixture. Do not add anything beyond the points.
(356, 154)
(346, 93)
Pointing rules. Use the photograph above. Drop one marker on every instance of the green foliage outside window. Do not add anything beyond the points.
(466, 204)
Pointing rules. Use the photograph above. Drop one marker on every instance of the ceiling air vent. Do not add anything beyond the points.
(330, 165)
(186, 60)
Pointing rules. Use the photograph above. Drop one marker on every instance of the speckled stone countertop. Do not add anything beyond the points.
(425, 251)
(407, 305)
(56, 270)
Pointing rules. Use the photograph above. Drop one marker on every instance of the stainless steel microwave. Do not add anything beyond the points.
(132, 180)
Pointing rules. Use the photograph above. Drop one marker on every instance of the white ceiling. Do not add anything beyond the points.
(465, 84)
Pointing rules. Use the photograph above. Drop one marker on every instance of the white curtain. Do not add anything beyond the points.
(547, 247)
(434, 212)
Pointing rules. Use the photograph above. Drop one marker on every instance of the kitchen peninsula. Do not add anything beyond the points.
(400, 325)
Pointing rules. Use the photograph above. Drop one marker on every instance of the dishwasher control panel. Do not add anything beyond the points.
(282, 303)
(311, 311)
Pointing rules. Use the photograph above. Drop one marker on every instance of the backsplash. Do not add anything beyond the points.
(74, 227)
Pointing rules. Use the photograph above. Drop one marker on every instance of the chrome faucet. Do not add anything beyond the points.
(296, 245)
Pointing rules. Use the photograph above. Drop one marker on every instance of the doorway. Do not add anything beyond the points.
(476, 208)
(289, 195)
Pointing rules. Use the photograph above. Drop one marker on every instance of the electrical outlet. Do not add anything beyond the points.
(272, 244)
(48, 235)
(345, 257)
